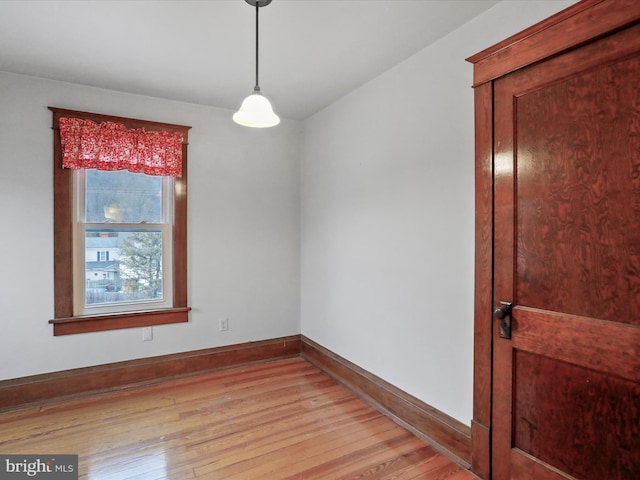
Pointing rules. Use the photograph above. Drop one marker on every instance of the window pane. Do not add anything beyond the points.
(122, 197)
(122, 266)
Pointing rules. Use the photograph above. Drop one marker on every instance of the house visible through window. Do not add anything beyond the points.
(119, 221)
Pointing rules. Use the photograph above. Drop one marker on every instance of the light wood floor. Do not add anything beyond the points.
(270, 421)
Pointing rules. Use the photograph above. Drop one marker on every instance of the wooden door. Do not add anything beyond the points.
(566, 386)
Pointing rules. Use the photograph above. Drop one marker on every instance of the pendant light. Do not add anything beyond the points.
(256, 110)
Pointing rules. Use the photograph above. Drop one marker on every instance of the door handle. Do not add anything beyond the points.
(503, 313)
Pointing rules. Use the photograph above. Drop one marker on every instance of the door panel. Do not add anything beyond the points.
(526, 467)
(566, 388)
(574, 418)
(578, 195)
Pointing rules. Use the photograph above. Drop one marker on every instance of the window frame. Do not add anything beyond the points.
(64, 321)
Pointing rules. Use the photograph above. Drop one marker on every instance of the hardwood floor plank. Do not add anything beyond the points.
(424, 468)
(270, 421)
(346, 459)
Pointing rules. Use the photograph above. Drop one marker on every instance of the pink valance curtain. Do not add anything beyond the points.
(110, 146)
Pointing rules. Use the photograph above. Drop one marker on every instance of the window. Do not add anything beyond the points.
(130, 214)
(119, 237)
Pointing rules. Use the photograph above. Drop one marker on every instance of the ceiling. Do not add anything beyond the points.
(312, 52)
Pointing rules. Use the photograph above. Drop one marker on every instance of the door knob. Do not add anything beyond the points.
(503, 313)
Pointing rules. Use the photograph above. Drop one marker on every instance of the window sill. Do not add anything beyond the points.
(99, 323)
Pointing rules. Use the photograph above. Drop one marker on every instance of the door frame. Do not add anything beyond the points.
(587, 20)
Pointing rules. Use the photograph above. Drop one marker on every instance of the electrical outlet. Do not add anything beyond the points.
(223, 324)
(147, 334)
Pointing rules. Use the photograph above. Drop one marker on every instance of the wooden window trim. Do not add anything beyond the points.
(64, 322)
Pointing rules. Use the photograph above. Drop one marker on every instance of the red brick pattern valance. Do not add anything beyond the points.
(110, 146)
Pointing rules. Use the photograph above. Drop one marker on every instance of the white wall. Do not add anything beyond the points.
(388, 216)
(243, 223)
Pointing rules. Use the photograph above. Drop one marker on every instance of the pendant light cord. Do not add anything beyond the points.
(257, 87)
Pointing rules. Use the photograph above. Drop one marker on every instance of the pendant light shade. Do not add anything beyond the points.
(256, 110)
